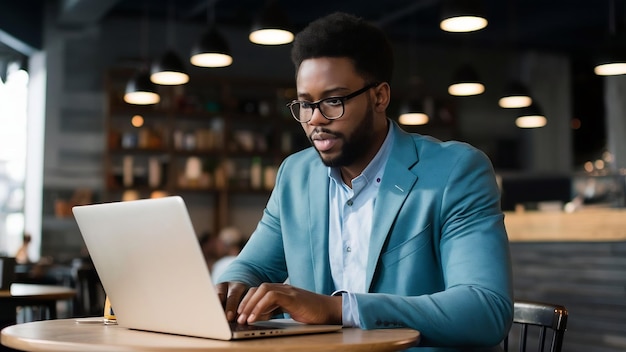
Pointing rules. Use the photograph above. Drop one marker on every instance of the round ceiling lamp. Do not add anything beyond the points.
(531, 117)
(466, 82)
(212, 50)
(271, 27)
(140, 90)
(515, 96)
(169, 70)
(462, 16)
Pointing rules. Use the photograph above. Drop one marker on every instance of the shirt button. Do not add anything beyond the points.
(349, 249)
(350, 202)
(378, 180)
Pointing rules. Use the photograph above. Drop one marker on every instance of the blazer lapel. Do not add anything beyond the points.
(319, 227)
(398, 180)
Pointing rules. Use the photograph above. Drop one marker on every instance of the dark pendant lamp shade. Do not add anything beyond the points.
(515, 96)
(466, 82)
(531, 117)
(611, 65)
(271, 26)
(212, 50)
(612, 61)
(413, 113)
(140, 90)
(169, 70)
(462, 16)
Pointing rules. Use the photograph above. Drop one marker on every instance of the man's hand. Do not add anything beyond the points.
(230, 294)
(304, 306)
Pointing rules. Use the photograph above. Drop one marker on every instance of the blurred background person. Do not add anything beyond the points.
(230, 242)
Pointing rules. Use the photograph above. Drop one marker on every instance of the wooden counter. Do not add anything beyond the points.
(578, 260)
(593, 224)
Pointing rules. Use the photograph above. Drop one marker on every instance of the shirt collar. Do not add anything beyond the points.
(375, 167)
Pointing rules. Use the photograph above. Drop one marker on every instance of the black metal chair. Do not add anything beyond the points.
(89, 299)
(540, 317)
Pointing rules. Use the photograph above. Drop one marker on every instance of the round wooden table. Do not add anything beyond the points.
(92, 335)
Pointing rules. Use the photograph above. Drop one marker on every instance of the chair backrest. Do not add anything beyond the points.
(90, 296)
(542, 317)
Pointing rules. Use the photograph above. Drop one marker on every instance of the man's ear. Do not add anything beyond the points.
(383, 97)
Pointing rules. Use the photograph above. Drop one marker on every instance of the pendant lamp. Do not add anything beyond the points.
(462, 16)
(515, 96)
(413, 113)
(271, 26)
(140, 90)
(611, 68)
(212, 50)
(466, 82)
(613, 62)
(169, 70)
(531, 117)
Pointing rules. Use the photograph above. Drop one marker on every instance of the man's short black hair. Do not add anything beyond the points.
(344, 35)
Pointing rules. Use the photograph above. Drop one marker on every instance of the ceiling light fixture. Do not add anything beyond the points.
(140, 90)
(212, 50)
(271, 27)
(413, 113)
(466, 82)
(614, 63)
(531, 117)
(462, 16)
(169, 69)
(515, 96)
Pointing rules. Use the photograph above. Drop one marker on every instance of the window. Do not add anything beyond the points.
(13, 132)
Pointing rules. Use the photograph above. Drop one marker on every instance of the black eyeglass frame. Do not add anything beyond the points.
(316, 104)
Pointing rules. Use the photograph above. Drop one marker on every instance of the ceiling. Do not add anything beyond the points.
(571, 26)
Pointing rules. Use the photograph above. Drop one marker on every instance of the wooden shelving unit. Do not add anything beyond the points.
(202, 137)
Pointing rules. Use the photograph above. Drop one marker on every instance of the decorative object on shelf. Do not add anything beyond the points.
(272, 26)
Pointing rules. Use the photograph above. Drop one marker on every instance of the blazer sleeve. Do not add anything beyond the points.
(475, 306)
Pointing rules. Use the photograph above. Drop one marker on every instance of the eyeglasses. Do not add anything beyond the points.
(331, 108)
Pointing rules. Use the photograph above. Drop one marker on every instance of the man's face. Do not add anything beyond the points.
(344, 141)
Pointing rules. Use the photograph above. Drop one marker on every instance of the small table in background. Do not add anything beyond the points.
(31, 295)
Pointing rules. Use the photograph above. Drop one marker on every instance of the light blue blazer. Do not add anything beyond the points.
(438, 256)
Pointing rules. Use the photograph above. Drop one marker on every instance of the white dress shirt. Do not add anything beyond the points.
(351, 217)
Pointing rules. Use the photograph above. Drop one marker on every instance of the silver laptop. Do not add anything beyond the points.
(150, 263)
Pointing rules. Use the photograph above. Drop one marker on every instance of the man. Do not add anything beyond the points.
(374, 227)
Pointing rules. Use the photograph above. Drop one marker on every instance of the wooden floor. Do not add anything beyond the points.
(588, 278)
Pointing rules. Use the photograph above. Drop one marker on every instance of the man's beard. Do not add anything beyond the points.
(355, 146)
